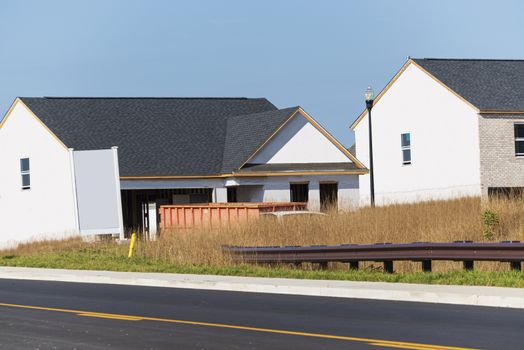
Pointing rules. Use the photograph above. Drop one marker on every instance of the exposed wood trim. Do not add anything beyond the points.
(19, 101)
(270, 137)
(261, 174)
(487, 111)
(167, 177)
(348, 172)
(399, 73)
(331, 138)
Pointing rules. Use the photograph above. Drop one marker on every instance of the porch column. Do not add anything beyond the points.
(220, 195)
(314, 196)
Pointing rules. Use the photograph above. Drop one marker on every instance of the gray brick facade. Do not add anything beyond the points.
(499, 167)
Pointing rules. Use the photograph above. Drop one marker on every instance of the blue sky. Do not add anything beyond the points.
(320, 55)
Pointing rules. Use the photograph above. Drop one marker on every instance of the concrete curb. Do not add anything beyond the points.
(463, 295)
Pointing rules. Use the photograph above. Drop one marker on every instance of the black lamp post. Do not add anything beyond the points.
(370, 95)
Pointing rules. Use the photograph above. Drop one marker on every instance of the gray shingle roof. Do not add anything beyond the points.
(245, 135)
(164, 136)
(487, 84)
(353, 149)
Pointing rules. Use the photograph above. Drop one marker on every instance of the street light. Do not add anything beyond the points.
(370, 95)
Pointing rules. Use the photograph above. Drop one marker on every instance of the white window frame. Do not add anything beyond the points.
(405, 148)
(518, 139)
(25, 172)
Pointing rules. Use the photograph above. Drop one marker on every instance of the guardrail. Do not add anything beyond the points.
(423, 252)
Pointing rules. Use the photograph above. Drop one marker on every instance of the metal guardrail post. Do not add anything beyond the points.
(515, 265)
(388, 266)
(426, 265)
(468, 264)
(323, 265)
(353, 265)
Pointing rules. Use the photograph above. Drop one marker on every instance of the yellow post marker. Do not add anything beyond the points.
(132, 245)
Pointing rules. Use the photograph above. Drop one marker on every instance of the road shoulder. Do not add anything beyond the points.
(461, 295)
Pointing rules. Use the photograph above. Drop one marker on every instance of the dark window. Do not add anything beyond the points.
(24, 164)
(299, 192)
(24, 171)
(405, 144)
(506, 192)
(328, 196)
(405, 139)
(232, 195)
(519, 139)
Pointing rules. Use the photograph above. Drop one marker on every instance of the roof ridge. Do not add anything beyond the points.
(143, 98)
(270, 111)
(468, 59)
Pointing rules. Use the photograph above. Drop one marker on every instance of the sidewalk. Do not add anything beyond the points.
(463, 295)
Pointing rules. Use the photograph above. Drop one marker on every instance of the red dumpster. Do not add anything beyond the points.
(217, 214)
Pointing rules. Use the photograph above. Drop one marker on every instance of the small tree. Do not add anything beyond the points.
(491, 221)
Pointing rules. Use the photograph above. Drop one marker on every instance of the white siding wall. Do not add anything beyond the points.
(444, 143)
(299, 142)
(47, 209)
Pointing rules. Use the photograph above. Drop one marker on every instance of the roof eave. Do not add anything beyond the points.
(258, 174)
(498, 111)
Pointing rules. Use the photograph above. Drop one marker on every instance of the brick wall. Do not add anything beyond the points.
(498, 165)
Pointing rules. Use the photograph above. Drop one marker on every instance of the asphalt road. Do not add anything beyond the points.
(57, 315)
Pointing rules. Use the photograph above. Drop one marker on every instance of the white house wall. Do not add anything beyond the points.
(299, 142)
(444, 143)
(47, 210)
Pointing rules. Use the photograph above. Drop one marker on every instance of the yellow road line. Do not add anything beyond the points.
(396, 346)
(375, 342)
(425, 346)
(111, 316)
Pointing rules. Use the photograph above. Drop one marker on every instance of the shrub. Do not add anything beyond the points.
(491, 221)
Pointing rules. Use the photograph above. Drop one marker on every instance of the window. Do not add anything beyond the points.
(232, 195)
(519, 139)
(405, 143)
(505, 192)
(299, 192)
(24, 171)
(328, 196)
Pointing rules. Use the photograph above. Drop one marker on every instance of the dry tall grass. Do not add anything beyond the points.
(438, 221)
